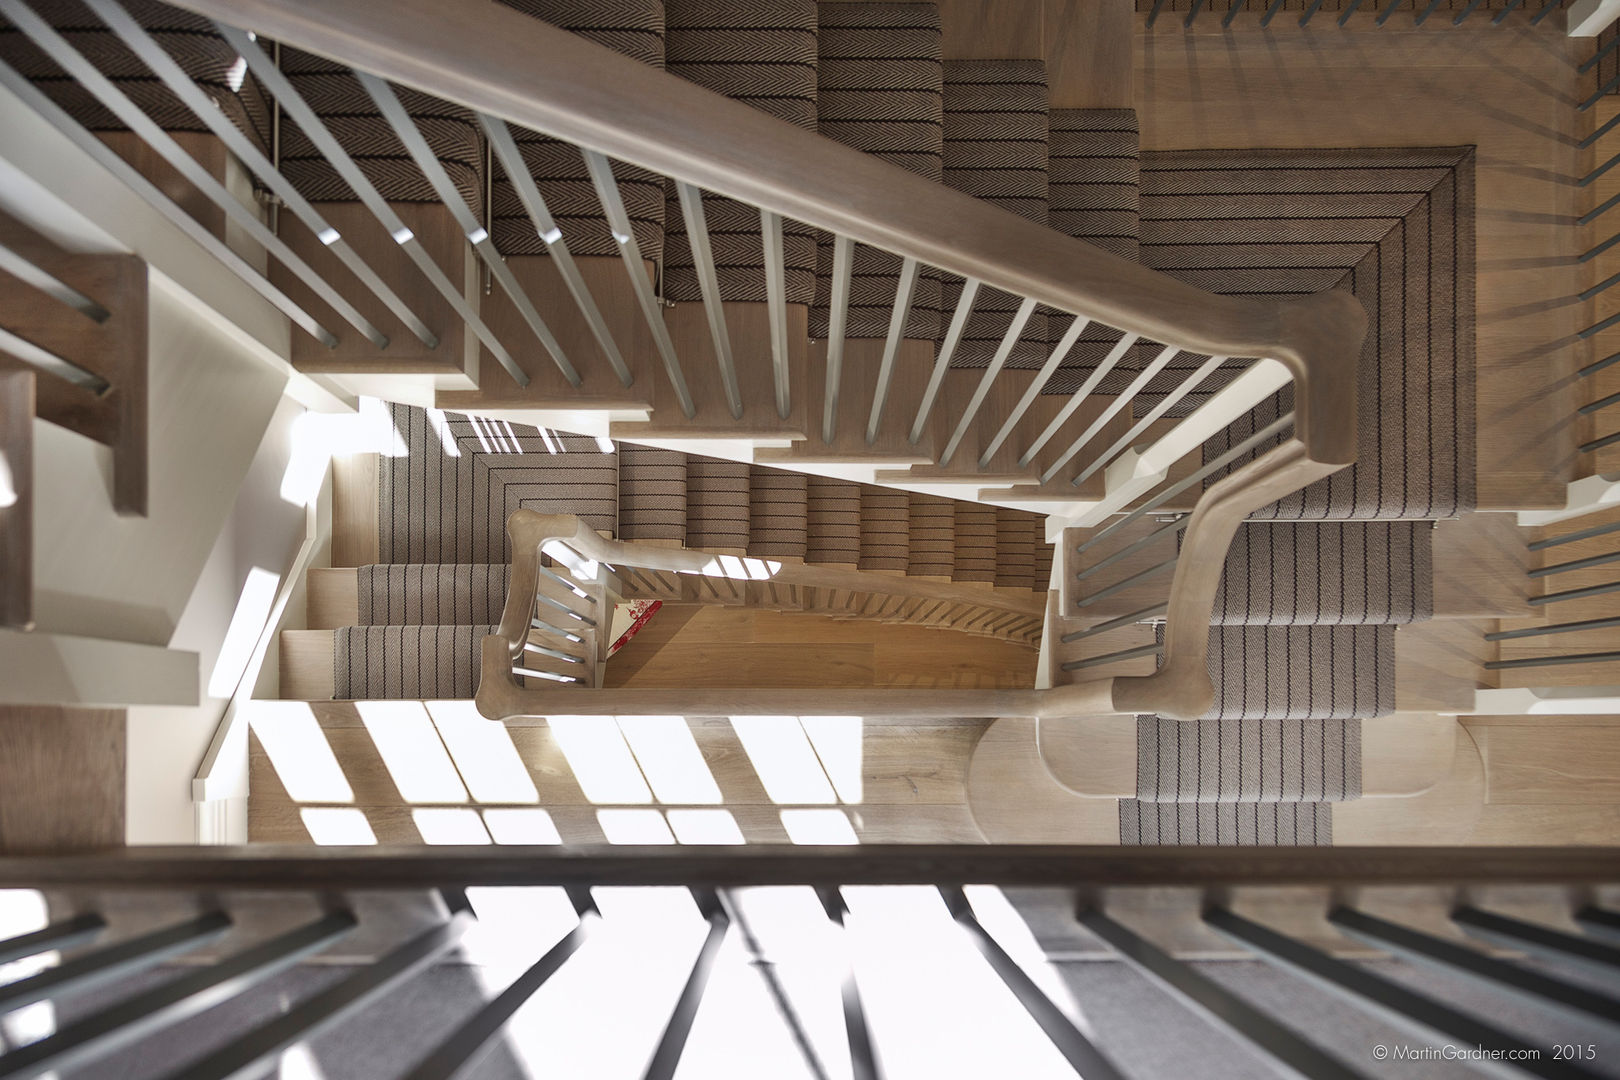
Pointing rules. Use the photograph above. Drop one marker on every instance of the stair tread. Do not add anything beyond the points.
(717, 501)
(995, 149)
(880, 88)
(765, 56)
(634, 28)
(779, 517)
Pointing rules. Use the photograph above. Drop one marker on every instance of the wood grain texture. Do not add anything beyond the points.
(405, 352)
(17, 520)
(1089, 47)
(610, 289)
(354, 510)
(726, 646)
(111, 347)
(1015, 800)
(1505, 90)
(61, 779)
(1532, 766)
(1445, 814)
(1479, 567)
(749, 328)
(1579, 609)
(533, 74)
(306, 665)
(332, 598)
(976, 30)
(1599, 230)
(912, 780)
(1439, 665)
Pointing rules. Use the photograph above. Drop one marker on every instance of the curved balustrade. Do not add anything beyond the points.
(512, 69)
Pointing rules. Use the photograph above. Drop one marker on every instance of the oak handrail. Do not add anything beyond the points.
(499, 61)
(530, 532)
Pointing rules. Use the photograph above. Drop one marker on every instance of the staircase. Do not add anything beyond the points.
(1306, 618)
(411, 625)
(885, 363)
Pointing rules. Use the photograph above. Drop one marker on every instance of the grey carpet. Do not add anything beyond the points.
(995, 150)
(1395, 228)
(1328, 573)
(932, 530)
(632, 27)
(652, 493)
(712, 503)
(349, 113)
(717, 504)
(778, 513)
(432, 662)
(415, 594)
(1095, 187)
(435, 507)
(764, 54)
(1302, 672)
(833, 508)
(1296, 824)
(189, 39)
(879, 88)
(1247, 761)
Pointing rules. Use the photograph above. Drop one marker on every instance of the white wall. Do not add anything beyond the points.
(165, 744)
(100, 575)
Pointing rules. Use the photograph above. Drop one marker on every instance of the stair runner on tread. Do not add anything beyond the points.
(1240, 781)
(189, 39)
(444, 507)
(632, 27)
(1304, 638)
(764, 54)
(879, 88)
(732, 507)
(445, 493)
(354, 118)
(870, 75)
(995, 149)
(1094, 177)
(1327, 573)
(1395, 227)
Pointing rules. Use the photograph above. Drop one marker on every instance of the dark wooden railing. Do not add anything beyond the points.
(232, 918)
(378, 918)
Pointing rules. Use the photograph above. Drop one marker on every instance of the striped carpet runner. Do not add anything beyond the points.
(1303, 640)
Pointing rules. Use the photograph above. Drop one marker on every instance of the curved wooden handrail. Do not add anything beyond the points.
(500, 61)
(510, 65)
(530, 532)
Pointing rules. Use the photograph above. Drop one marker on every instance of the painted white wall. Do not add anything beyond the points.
(164, 745)
(100, 575)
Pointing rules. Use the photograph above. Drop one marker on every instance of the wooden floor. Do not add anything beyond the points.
(61, 779)
(1511, 92)
(702, 646)
(910, 786)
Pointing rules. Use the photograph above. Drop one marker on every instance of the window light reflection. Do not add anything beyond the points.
(298, 751)
(484, 753)
(411, 750)
(784, 759)
(601, 762)
(670, 759)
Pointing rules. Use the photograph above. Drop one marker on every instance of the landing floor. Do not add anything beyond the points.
(1509, 91)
